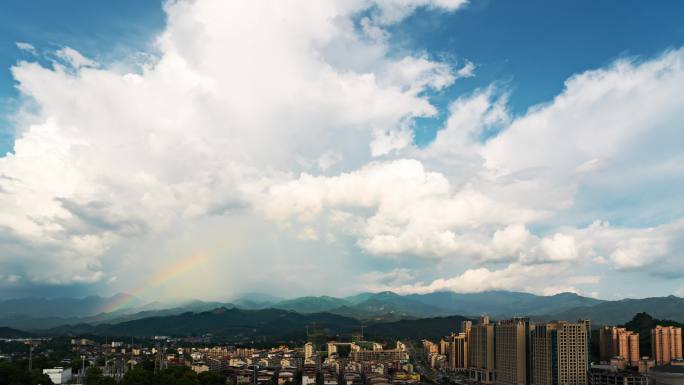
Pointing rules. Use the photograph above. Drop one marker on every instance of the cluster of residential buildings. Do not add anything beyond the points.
(329, 363)
(326, 362)
(520, 352)
(507, 352)
(357, 363)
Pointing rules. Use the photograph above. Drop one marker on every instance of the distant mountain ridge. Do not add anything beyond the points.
(497, 304)
(61, 311)
(38, 313)
(64, 306)
(494, 303)
(6, 332)
(237, 325)
(503, 303)
(620, 312)
(232, 323)
(310, 304)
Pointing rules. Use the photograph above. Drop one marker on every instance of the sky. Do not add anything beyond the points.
(203, 149)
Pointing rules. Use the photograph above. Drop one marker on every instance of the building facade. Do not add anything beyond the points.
(457, 354)
(559, 354)
(511, 352)
(619, 342)
(481, 352)
(308, 350)
(666, 344)
(378, 355)
(59, 375)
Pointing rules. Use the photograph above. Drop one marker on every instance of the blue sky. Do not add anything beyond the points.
(107, 30)
(532, 47)
(255, 109)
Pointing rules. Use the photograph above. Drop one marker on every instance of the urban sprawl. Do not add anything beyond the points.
(506, 352)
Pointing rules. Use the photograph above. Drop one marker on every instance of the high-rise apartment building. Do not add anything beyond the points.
(587, 326)
(618, 342)
(666, 344)
(444, 346)
(466, 326)
(457, 354)
(677, 353)
(608, 343)
(308, 350)
(481, 352)
(631, 351)
(511, 341)
(430, 347)
(559, 354)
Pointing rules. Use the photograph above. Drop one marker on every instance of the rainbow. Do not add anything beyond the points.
(156, 280)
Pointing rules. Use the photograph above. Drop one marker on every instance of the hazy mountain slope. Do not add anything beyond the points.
(364, 306)
(391, 303)
(255, 300)
(234, 324)
(40, 313)
(502, 303)
(36, 323)
(265, 325)
(311, 304)
(190, 306)
(33, 323)
(6, 332)
(65, 307)
(358, 298)
(430, 328)
(362, 315)
(619, 312)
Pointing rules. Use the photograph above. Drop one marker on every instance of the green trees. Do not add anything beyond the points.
(16, 375)
(76, 365)
(93, 376)
(177, 375)
(138, 376)
(107, 381)
(208, 378)
(38, 378)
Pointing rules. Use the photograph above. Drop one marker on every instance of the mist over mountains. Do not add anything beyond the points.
(265, 325)
(42, 313)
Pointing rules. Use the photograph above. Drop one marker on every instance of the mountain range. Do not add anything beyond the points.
(494, 303)
(265, 325)
(41, 313)
(6, 332)
(619, 312)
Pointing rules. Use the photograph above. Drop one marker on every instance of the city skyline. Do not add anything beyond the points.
(475, 352)
(204, 149)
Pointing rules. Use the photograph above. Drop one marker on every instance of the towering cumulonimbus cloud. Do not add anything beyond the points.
(281, 135)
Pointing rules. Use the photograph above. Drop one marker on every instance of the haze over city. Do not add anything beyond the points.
(208, 149)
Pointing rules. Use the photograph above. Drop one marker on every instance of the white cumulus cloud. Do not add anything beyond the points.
(281, 134)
